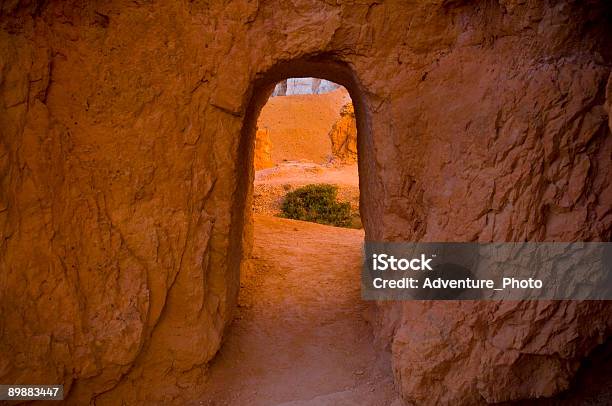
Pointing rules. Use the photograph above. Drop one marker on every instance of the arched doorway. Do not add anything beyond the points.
(301, 331)
(323, 67)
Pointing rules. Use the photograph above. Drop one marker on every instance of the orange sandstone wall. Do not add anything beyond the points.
(298, 125)
(343, 135)
(122, 191)
(262, 157)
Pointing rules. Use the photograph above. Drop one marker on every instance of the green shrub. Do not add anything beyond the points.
(317, 203)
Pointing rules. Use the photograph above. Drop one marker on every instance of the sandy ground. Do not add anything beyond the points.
(271, 185)
(299, 125)
(299, 337)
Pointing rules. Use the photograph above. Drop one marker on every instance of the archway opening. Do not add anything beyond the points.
(305, 156)
(262, 88)
(300, 331)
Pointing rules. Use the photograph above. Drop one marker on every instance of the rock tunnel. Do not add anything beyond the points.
(126, 143)
(320, 66)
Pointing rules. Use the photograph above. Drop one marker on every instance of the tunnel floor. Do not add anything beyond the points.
(300, 337)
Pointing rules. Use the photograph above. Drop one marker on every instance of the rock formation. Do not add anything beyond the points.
(294, 86)
(298, 125)
(263, 150)
(280, 89)
(126, 150)
(343, 135)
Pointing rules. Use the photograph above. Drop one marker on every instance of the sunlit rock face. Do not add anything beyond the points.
(123, 172)
(343, 136)
(263, 150)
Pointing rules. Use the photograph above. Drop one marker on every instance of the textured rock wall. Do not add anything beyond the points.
(262, 158)
(343, 135)
(125, 176)
(298, 125)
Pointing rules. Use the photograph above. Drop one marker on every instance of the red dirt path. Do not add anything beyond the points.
(300, 337)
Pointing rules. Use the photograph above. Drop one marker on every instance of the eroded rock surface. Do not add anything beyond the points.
(263, 150)
(124, 182)
(343, 136)
(298, 125)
